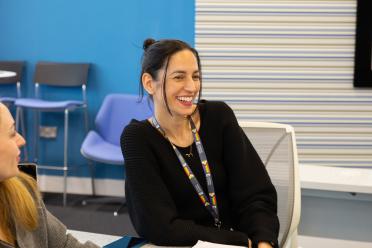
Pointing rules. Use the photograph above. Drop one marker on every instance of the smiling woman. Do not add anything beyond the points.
(191, 173)
(24, 220)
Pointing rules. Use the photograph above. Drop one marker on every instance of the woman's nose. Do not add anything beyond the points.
(20, 141)
(191, 84)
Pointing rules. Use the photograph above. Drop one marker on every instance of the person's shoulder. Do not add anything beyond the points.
(215, 107)
(135, 128)
(29, 183)
(136, 125)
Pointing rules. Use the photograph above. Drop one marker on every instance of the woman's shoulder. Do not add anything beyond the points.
(136, 130)
(215, 108)
(136, 127)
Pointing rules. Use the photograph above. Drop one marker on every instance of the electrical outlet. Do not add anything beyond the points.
(48, 132)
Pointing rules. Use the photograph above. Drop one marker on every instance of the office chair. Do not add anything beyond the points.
(57, 75)
(103, 144)
(276, 145)
(17, 67)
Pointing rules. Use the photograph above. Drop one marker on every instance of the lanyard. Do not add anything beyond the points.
(209, 201)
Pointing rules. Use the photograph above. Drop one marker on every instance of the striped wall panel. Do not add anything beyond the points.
(289, 62)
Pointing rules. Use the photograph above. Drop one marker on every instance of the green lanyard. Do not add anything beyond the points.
(209, 201)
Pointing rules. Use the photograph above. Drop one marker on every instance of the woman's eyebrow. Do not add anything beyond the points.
(178, 71)
(181, 71)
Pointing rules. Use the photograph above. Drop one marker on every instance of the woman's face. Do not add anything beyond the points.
(10, 142)
(182, 86)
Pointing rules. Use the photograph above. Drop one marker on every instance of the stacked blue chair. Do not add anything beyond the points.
(57, 75)
(103, 144)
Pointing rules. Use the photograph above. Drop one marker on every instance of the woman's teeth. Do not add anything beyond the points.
(185, 99)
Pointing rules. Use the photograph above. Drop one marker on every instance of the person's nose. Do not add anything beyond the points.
(20, 141)
(191, 84)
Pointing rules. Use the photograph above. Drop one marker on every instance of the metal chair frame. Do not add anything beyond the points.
(44, 66)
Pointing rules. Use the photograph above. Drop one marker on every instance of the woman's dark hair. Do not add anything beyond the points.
(156, 56)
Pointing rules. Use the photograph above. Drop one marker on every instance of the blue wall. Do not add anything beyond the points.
(107, 34)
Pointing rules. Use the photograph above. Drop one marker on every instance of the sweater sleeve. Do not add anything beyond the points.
(253, 195)
(57, 236)
(151, 208)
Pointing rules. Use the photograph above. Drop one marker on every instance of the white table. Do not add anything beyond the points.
(5, 74)
(303, 241)
(357, 180)
(97, 238)
(320, 242)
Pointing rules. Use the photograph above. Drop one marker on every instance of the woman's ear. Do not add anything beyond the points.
(148, 84)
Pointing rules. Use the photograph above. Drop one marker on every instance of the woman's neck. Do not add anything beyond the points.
(176, 128)
(172, 125)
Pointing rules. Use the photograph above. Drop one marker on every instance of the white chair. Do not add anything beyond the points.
(276, 145)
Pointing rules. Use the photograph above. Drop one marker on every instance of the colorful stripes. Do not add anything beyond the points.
(290, 62)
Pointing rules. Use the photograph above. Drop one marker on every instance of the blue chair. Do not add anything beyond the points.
(16, 67)
(57, 75)
(103, 144)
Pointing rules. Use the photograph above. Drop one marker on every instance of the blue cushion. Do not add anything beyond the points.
(47, 105)
(7, 99)
(96, 148)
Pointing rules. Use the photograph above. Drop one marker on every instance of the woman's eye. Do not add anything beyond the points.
(196, 77)
(178, 77)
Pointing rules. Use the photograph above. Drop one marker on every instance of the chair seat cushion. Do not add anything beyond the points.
(96, 148)
(7, 99)
(47, 105)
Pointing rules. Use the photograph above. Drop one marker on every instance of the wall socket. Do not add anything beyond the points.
(48, 132)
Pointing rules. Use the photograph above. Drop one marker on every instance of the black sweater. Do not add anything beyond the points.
(162, 203)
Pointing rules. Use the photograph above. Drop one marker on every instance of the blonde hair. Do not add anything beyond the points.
(19, 199)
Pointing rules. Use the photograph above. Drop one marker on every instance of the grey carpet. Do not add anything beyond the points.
(93, 217)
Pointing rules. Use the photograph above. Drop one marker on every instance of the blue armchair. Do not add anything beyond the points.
(103, 144)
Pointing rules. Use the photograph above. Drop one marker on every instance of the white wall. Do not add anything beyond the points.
(292, 62)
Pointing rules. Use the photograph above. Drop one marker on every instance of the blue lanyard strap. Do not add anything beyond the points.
(210, 201)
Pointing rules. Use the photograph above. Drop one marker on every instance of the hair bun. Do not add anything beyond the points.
(147, 43)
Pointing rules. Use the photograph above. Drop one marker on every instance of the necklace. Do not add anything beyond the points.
(209, 201)
(189, 155)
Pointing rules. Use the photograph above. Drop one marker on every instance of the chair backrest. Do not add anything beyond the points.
(29, 169)
(276, 145)
(61, 74)
(116, 112)
(14, 66)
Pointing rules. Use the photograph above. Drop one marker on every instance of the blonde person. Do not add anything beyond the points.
(191, 173)
(24, 221)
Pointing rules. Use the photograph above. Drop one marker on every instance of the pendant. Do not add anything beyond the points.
(189, 155)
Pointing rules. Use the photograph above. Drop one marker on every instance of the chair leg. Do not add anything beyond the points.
(92, 175)
(86, 120)
(65, 157)
(17, 120)
(90, 163)
(37, 135)
(23, 128)
(116, 213)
